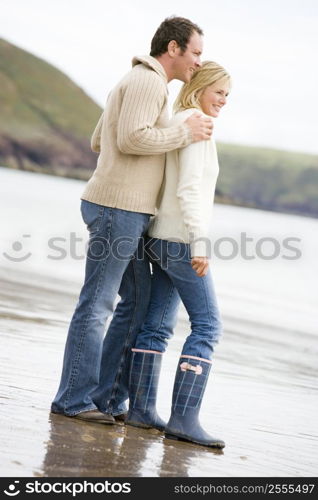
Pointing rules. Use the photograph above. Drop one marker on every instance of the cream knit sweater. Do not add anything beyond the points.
(187, 195)
(132, 137)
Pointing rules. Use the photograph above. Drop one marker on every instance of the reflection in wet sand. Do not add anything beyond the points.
(76, 448)
(261, 399)
(79, 449)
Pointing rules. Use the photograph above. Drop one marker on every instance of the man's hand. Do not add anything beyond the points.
(201, 127)
(200, 265)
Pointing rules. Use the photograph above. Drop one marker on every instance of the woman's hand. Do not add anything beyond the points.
(200, 265)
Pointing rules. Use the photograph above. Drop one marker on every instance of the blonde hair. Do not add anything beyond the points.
(208, 74)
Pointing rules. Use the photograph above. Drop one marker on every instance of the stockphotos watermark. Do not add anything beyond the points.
(73, 488)
(98, 248)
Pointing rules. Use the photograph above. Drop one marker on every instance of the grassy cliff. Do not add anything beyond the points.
(46, 122)
(45, 118)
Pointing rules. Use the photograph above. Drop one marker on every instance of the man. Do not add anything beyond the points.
(132, 137)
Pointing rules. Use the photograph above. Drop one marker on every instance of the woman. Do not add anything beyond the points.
(179, 248)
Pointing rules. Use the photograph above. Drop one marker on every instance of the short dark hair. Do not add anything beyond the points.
(175, 28)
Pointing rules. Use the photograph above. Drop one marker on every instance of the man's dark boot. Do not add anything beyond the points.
(95, 416)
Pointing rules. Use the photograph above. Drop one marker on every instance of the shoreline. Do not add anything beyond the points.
(83, 175)
(261, 398)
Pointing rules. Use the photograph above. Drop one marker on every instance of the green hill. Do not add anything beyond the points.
(269, 179)
(46, 122)
(45, 118)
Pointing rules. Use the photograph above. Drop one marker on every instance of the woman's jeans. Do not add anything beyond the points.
(173, 278)
(95, 369)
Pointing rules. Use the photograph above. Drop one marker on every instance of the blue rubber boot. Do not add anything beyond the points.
(143, 384)
(189, 386)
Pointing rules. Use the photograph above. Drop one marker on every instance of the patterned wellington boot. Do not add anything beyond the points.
(143, 384)
(189, 386)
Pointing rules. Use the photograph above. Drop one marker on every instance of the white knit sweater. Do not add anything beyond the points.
(187, 195)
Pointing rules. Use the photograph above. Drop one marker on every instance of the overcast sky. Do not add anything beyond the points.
(269, 47)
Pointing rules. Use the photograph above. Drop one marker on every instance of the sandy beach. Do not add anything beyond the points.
(262, 395)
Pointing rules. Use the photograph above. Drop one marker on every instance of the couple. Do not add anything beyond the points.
(144, 162)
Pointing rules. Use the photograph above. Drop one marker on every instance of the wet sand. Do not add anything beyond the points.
(261, 399)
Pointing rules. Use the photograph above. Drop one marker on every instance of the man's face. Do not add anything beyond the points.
(188, 62)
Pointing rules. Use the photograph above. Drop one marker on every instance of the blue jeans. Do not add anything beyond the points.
(174, 279)
(95, 365)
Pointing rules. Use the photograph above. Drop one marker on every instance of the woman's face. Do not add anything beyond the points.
(214, 97)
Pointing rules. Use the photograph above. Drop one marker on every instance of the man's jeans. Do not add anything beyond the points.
(95, 369)
(173, 278)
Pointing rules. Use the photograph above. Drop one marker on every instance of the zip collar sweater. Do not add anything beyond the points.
(132, 137)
